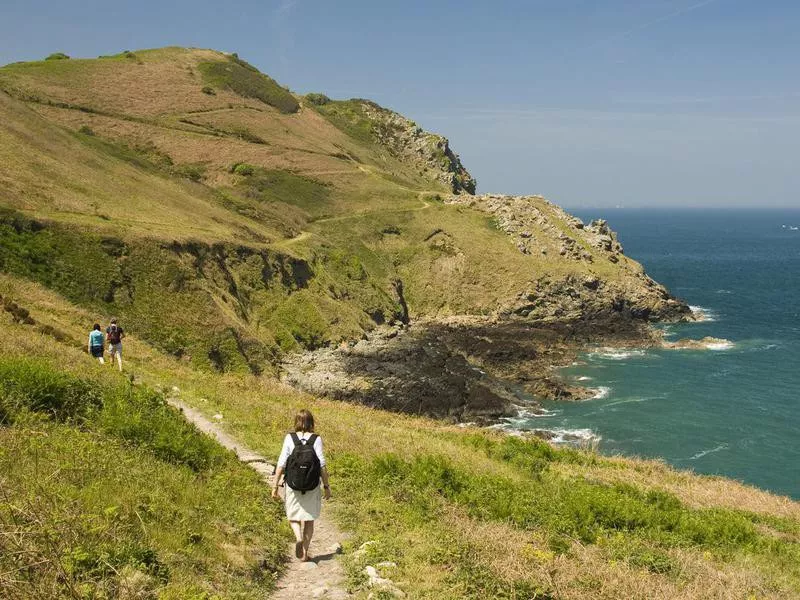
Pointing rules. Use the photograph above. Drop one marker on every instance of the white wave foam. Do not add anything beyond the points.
(528, 412)
(720, 346)
(616, 353)
(724, 292)
(573, 436)
(702, 453)
(601, 392)
(584, 378)
(703, 314)
(628, 401)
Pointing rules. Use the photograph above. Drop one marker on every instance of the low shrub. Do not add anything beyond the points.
(243, 169)
(207, 89)
(57, 56)
(245, 80)
(317, 99)
(143, 418)
(575, 508)
(192, 171)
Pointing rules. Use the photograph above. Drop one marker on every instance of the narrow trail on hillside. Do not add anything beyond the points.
(322, 576)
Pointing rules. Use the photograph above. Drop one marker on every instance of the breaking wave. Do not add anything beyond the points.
(703, 314)
(616, 353)
(702, 453)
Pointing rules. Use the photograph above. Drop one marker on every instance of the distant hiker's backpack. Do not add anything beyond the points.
(302, 467)
(114, 334)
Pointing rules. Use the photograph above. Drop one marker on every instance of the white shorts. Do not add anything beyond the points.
(115, 349)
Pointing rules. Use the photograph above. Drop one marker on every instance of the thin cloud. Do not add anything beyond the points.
(647, 24)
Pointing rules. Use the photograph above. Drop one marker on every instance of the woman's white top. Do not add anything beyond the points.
(288, 446)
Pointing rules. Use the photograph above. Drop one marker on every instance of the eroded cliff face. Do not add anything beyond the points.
(429, 151)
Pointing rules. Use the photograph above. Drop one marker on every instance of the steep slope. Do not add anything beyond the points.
(230, 221)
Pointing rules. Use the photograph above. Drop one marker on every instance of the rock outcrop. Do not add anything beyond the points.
(429, 151)
(542, 229)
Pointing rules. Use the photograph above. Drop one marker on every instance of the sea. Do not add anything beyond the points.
(733, 410)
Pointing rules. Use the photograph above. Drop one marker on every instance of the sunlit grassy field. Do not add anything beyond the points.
(467, 513)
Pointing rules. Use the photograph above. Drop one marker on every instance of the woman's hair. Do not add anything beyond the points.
(96, 326)
(304, 421)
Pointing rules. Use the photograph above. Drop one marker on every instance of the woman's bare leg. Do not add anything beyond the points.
(299, 545)
(308, 533)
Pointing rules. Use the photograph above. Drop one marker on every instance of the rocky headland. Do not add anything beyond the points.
(483, 368)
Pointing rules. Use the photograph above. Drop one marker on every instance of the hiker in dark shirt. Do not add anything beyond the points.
(114, 335)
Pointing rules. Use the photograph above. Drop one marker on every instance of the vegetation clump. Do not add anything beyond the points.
(57, 56)
(244, 79)
(317, 99)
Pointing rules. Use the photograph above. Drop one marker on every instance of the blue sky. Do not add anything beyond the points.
(590, 102)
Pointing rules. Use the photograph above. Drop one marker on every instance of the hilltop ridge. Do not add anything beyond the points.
(232, 221)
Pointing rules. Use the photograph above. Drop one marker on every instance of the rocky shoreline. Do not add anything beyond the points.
(483, 369)
(465, 369)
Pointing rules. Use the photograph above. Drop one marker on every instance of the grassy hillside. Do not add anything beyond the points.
(228, 221)
(463, 513)
(106, 492)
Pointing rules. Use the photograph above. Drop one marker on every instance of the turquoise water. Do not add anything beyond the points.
(733, 412)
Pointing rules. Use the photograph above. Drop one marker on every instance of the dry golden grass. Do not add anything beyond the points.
(53, 175)
(585, 573)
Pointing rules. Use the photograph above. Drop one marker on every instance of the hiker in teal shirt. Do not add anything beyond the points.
(96, 343)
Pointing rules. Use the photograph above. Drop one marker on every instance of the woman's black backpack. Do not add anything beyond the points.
(302, 467)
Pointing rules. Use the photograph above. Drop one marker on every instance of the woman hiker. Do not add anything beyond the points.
(96, 343)
(303, 464)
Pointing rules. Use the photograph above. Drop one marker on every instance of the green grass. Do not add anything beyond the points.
(272, 185)
(107, 492)
(248, 82)
(223, 307)
(392, 500)
(349, 117)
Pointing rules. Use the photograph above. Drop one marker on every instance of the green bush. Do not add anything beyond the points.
(281, 186)
(245, 80)
(136, 415)
(317, 99)
(575, 508)
(243, 169)
(207, 89)
(143, 418)
(28, 385)
(86, 130)
(57, 56)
